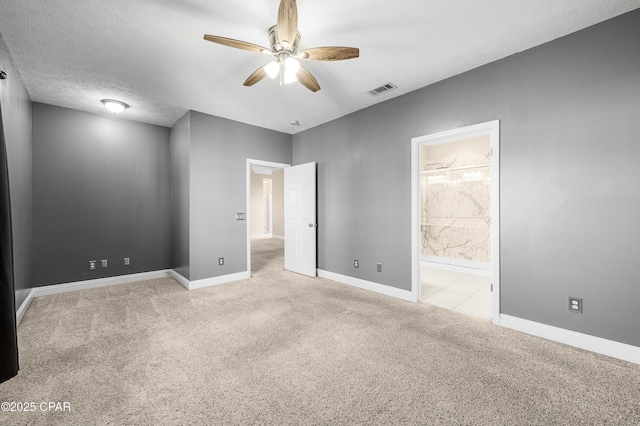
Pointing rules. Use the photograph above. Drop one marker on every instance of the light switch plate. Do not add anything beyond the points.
(92, 264)
(241, 216)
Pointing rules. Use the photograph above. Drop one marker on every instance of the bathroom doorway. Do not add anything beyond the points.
(455, 197)
(265, 206)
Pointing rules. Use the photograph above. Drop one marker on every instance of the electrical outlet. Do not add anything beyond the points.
(575, 305)
(92, 264)
(221, 261)
(127, 261)
(103, 263)
(356, 264)
(379, 267)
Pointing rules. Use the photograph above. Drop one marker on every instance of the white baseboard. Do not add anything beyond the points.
(462, 263)
(579, 340)
(83, 285)
(368, 285)
(182, 280)
(455, 268)
(100, 282)
(208, 282)
(24, 307)
(122, 279)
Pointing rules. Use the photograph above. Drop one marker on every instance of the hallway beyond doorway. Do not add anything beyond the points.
(266, 253)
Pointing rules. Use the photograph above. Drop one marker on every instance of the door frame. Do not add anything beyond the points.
(491, 129)
(251, 161)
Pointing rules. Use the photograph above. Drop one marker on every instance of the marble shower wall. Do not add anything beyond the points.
(455, 209)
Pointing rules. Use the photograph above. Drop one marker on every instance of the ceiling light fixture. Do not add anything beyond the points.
(114, 106)
(283, 41)
(286, 67)
(291, 68)
(291, 65)
(294, 122)
(289, 77)
(272, 69)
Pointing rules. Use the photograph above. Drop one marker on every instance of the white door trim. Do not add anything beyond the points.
(251, 161)
(491, 128)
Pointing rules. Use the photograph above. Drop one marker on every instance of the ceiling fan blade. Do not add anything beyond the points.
(329, 53)
(258, 75)
(236, 43)
(287, 21)
(307, 80)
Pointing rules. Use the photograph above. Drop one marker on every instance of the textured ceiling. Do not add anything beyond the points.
(151, 53)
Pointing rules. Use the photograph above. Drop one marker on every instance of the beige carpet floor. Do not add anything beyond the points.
(280, 348)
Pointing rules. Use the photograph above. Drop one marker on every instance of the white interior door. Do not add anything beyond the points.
(300, 219)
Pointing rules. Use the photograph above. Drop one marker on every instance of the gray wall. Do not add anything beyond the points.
(219, 149)
(570, 168)
(180, 195)
(101, 190)
(16, 118)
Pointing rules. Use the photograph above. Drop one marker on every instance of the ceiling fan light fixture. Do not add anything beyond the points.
(284, 40)
(272, 69)
(290, 77)
(291, 65)
(114, 106)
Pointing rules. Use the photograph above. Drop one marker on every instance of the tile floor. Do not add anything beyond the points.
(465, 293)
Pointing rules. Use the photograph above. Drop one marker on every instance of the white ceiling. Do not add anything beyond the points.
(151, 53)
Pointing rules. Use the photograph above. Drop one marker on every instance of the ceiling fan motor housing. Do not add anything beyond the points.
(277, 47)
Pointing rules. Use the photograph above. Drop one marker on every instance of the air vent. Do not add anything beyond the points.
(382, 89)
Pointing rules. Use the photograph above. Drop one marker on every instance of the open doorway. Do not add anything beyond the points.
(266, 206)
(455, 219)
(265, 209)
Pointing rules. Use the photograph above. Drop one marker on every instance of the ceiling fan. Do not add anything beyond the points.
(284, 39)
